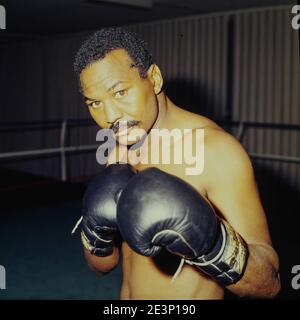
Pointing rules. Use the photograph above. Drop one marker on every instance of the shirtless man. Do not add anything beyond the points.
(120, 82)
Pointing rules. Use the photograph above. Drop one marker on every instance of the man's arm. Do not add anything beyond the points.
(261, 278)
(232, 189)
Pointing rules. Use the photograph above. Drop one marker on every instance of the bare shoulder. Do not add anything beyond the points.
(224, 156)
(223, 149)
(196, 121)
(185, 119)
(225, 161)
(231, 187)
(220, 146)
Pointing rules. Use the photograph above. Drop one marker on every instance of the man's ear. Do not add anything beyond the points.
(154, 75)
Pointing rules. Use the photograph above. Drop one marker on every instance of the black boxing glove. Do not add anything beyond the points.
(158, 210)
(99, 208)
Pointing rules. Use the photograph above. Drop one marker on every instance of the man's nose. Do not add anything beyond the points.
(112, 112)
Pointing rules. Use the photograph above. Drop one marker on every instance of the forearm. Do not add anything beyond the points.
(261, 277)
(102, 265)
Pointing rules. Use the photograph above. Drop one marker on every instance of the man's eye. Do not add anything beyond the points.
(95, 104)
(121, 93)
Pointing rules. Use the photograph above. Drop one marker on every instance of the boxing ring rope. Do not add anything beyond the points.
(243, 126)
(67, 124)
(64, 126)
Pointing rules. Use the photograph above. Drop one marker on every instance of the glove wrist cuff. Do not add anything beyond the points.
(227, 260)
(96, 250)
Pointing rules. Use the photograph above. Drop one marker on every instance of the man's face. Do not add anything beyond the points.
(115, 92)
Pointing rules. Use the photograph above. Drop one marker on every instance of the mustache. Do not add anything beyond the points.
(124, 124)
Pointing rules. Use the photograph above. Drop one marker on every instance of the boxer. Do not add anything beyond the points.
(184, 236)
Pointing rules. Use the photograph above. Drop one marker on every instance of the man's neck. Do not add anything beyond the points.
(163, 109)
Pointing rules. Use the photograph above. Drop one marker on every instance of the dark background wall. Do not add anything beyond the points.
(240, 66)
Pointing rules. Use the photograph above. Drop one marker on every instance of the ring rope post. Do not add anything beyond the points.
(241, 131)
(63, 162)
